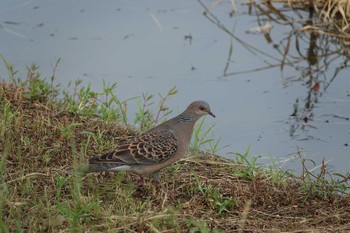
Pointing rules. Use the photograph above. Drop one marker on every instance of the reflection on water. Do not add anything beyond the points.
(315, 57)
(275, 82)
(317, 64)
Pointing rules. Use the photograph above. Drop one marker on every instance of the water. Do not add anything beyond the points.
(141, 45)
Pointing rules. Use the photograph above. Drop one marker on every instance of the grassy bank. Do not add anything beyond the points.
(47, 132)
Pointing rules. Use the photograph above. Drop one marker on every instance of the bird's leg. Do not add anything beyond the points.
(159, 191)
(156, 177)
(143, 180)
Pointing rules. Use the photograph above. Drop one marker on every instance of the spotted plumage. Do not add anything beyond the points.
(154, 149)
(147, 148)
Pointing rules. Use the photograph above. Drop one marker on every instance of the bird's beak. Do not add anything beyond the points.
(211, 114)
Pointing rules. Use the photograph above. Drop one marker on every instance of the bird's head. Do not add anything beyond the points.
(200, 108)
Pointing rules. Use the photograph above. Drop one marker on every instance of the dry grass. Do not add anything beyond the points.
(41, 143)
(335, 15)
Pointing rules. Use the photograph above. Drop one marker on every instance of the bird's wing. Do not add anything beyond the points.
(149, 148)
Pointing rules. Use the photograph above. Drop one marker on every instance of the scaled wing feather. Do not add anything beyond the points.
(148, 148)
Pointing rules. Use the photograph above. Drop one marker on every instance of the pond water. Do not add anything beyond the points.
(284, 94)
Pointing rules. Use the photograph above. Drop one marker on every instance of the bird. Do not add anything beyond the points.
(151, 151)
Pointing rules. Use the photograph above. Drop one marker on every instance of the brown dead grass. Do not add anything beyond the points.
(335, 15)
(270, 207)
(39, 150)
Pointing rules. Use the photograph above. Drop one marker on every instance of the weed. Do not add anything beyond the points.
(200, 136)
(214, 146)
(251, 169)
(200, 226)
(11, 70)
(61, 181)
(203, 140)
(145, 118)
(214, 199)
(276, 174)
(321, 185)
(164, 111)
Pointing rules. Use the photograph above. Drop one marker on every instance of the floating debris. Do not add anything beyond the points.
(265, 29)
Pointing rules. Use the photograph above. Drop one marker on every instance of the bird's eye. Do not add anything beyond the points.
(201, 108)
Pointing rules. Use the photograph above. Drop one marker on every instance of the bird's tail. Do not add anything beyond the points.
(91, 168)
(100, 167)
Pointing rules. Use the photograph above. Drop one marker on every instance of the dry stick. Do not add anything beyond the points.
(286, 51)
(249, 47)
(273, 9)
(228, 58)
(217, 22)
(256, 69)
(244, 217)
(251, 71)
(321, 175)
(336, 72)
(320, 31)
(278, 216)
(234, 7)
(26, 176)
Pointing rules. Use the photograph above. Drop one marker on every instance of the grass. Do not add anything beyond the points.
(47, 132)
(333, 15)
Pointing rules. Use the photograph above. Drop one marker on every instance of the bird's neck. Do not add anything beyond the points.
(185, 123)
(186, 118)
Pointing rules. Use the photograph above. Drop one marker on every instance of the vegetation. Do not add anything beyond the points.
(47, 132)
(333, 16)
